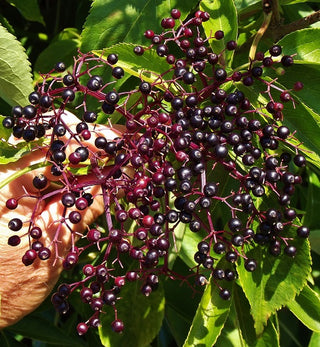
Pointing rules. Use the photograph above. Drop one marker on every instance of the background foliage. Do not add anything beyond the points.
(34, 35)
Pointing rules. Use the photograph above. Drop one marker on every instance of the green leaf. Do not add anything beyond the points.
(242, 4)
(29, 9)
(306, 123)
(9, 154)
(315, 240)
(15, 77)
(270, 335)
(223, 16)
(63, 48)
(177, 240)
(276, 281)
(209, 319)
(7, 340)
(290, 2)
(311, 217)
(315, 340)
(304, 45)
(113, 21)
(306, 307)
(300, 119)
(38, 328)
(4, 132)
(309, 74)
(148, 62)
(142, 317)
(243, 316)
(188, 246)
(178, 315)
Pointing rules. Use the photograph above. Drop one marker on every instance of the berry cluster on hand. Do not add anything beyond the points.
(190, 126)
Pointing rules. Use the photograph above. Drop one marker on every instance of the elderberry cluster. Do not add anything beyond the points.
(192, 147)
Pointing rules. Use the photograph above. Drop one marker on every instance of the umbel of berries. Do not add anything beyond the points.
(162, 168)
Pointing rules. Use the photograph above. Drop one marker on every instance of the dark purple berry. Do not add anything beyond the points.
(303, 232)
(82, 328)
(15, 224)
(275, 50)
(117, 326)
(75, 217)
(14, 240)
(250, 265)
(225, 294)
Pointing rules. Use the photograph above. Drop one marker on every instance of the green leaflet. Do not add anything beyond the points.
(243, 320)
(29, 9)
(148, 66)
(303, 44)
(276, 281)
(300, 119)
(15, 78)
(315, 340)
(142, 317)
(113, 21)
(210, 317)
(9, 154)
(223, 16)
(38, 328)
(306, 307)
(62, 48)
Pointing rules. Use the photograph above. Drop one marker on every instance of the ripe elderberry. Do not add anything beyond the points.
(187, 131)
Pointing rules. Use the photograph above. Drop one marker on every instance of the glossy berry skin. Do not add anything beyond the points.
(117, 326)
(138, 50)
(44, 253)
(40, 181)
(303, 232)
(275, 50)
(112, 58)
(8, 122)
(117, 72)
(250, 265)
(225, 294)
(287, 60)
(299, 160)
(68, 95)
(220, 74)
(145, 87)
(15, 224)
(29, 111)
(68, 80)
(290, 250)
(112, 98)
(82, 328)
(60, 66)
(45, 101)
(95, 83)
(11, 204)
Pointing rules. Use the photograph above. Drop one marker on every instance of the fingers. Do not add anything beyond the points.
(25, 287)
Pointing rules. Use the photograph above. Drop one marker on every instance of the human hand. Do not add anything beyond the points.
(23, 288)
